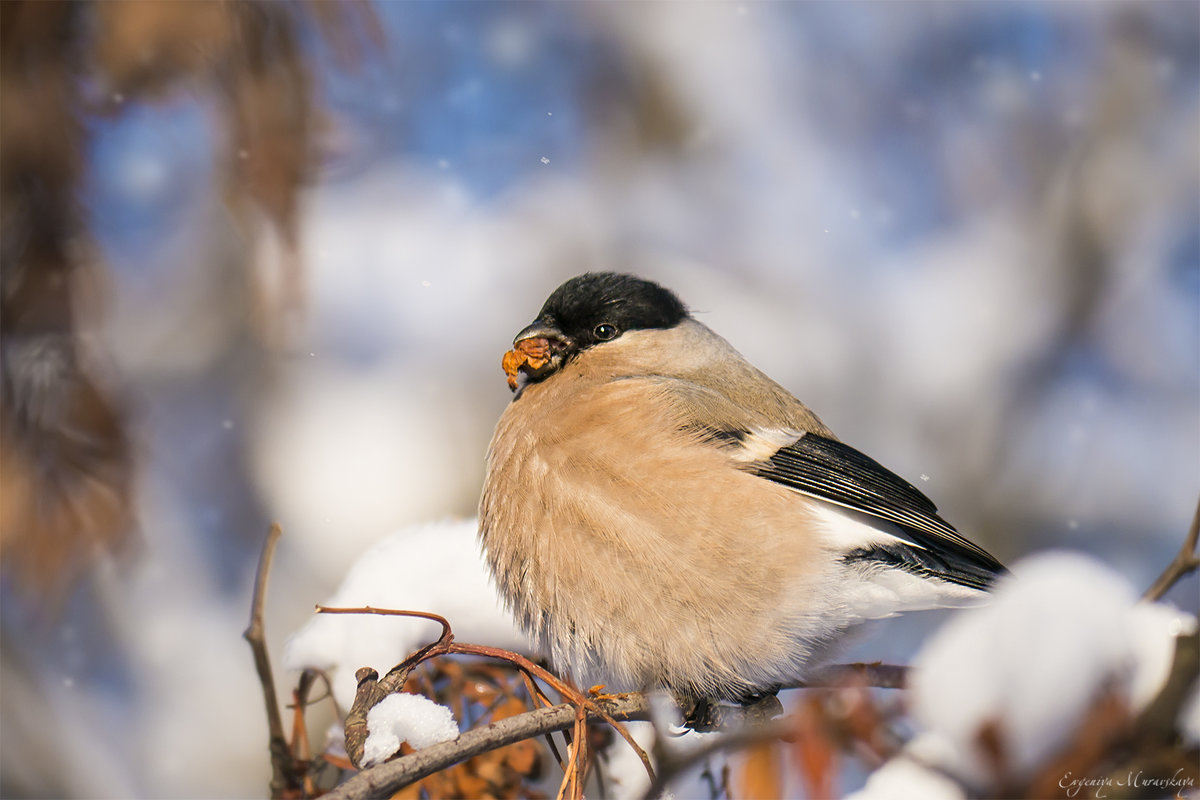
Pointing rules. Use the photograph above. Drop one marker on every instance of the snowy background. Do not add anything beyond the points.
(967, 235)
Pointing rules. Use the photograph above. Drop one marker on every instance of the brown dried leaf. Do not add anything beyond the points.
(761, 771)
(525, 759)
(506, 772)
(482, 693)
(366, 697)
(990, 741)
(815, 747)
(65, 468)
(351, 28)
(509, 708)
(411, 792)
(143, 47)
(65, 488)
(490, 768)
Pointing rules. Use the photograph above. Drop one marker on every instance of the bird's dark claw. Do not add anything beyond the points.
(705, 714)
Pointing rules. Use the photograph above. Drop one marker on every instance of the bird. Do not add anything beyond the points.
(658, 514)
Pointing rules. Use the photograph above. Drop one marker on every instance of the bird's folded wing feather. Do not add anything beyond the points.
(837, 473)
(824, 468)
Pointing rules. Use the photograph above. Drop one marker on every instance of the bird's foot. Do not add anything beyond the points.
(701, 715)
(597, 693)
(759, 709)
(706, 714)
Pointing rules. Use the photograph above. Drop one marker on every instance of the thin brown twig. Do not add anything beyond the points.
(301, 750)
(391, 612)
(312, 674)
(444, 639)
(1185, 561)
(284, 771)
(876, 675)
(536, 695)
(581, 755)
(571, 787)
(539, 699)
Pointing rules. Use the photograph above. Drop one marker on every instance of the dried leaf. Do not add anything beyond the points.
(525, 758)
(761, 771)
(145, 47)
(366, 697)
(815, 747)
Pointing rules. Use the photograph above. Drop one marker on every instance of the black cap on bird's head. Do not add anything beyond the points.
(586, 311)
(623, 302)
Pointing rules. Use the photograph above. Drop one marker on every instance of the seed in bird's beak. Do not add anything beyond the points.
(532, 354)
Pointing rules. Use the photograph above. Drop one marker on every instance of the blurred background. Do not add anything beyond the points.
(260, 262)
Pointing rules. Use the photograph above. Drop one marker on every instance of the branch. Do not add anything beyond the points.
(446, 645)
(877, 675)
(285, 776)
(1157, 723)
(385, 779)
(1185, 561)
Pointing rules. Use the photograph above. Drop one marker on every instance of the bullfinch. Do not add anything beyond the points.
(657, 513)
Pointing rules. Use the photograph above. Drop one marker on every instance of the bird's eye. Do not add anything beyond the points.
(604, 331)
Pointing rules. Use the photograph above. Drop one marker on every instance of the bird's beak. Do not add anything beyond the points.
(537, 351)
(539, 330)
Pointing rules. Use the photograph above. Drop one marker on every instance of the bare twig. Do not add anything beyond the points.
(1185, 561)
(301, 753)
(539, 699)
(574, 773)
(399, 673)
(1157, 722)
(880, 676)
(286, 776)
(393, 612)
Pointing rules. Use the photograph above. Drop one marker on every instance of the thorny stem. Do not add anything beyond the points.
(1185, 561)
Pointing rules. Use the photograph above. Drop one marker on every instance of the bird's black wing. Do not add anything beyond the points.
(831, 471)
(822, 467)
